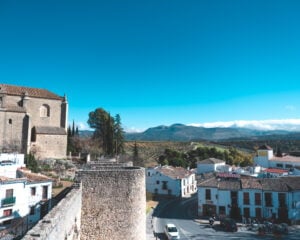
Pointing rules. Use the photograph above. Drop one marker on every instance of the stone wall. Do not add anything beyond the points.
(17, 121)
(113, 203)
(62, 222)
(49, 146)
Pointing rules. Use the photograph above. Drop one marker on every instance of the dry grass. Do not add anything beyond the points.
(65, 184)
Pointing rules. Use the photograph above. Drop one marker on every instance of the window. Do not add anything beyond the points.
(7, 212)
(148, 174)
(32, 210)
(288, 166)
(207, 194)
(246, 198)
(281, 199)
(257, 199)
(157, 182)
(279, 165)
(222, 210)
(247, 212)
(9, 193)
(45, 110)
(1, 101)
(10, 121)
(45, 192)
(258, 212)
(164, 185)
(234, 198)
(33, 134)
(268, 199)
(33, 191)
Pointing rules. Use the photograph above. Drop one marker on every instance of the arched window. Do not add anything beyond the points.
(45, 110)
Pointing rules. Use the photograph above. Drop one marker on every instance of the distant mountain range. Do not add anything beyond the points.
(181, 132)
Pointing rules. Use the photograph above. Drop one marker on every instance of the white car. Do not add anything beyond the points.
(171, 231)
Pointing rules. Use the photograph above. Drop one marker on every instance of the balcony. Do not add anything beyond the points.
(6, 202)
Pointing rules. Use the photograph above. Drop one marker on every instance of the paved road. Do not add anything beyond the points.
(183, 214)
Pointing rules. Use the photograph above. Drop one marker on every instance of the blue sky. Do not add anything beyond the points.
(158, 62)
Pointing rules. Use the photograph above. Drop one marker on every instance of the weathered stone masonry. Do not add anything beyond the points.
(112, 206)
(62, 222)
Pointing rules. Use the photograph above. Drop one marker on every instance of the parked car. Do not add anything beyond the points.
(228, 224)
(171, 231)
(281, 228)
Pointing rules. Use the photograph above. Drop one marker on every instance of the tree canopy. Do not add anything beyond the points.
(108, 131)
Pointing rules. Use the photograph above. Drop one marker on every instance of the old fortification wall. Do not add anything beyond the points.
(110, 205)
(62, 222)
(113, 203)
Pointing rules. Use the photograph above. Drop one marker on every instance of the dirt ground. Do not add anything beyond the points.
(56, 191)
(151, 204)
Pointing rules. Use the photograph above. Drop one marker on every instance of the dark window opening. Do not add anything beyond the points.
(164, 185)
(246, 198)
(268, 199)
(257, 199)
(281, 199)
(207, 194)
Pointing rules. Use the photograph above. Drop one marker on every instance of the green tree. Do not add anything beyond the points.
(108, 131)
(137, 161)
(31, 163)
(118, 135)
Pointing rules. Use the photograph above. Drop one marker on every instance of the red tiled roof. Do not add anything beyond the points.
(174, 172)
(33, 177)
(32, 92)
(265, 147)
(275, 170)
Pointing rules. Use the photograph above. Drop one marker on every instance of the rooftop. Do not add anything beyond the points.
(174, 172)
(31, 92)
(265, 147)
(285, 158)
(283, 184)
(211, 161)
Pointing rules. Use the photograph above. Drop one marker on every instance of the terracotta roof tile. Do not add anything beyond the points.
(32, 92)
(211, 161)
(174, 172)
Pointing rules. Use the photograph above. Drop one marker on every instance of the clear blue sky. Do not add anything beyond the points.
(157, 62)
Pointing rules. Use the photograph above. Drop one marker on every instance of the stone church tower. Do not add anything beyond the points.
(33, 120)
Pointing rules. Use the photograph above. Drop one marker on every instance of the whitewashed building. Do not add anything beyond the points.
(211, 165)
(172, 181)
(266, 158)
(23, 194)
(247, 197)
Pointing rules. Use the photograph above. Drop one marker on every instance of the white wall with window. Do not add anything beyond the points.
(159, 182)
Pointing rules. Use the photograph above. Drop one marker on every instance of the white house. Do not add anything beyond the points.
(172, 181)
(211, 165)
(9, 163)
(267, 159)
(246, 197)
(22, 194)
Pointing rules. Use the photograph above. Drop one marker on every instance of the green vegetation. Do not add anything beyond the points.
(185, 154)
(31, 163)
(108, 131)
(189, 159)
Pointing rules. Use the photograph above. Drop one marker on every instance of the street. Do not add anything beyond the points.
(182, 213)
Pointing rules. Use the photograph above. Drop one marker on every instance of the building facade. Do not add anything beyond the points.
(246, 197)
(171, 181)
(23, 195)
(33, 120)
(211, 165)
(266, 158)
